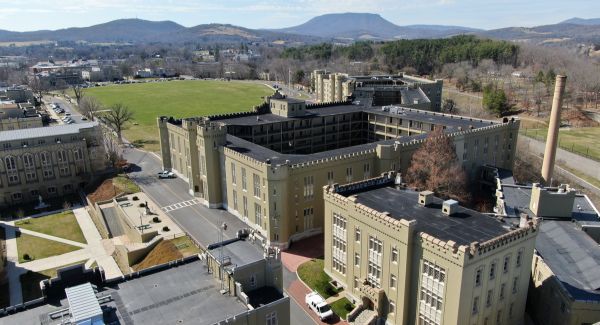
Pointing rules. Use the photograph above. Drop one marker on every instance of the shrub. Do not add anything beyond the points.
(26, 257)
(156, 219)
(135, 198)
(142, 205)
(165, 228)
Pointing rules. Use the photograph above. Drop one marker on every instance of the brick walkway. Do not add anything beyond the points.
(302, 251)
(297, 291)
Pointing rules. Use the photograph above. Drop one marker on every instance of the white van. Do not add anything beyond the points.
(319, 306)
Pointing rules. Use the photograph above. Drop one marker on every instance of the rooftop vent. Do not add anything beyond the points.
(425, 198)
(449, 207)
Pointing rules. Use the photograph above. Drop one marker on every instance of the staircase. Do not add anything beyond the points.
(366, 317)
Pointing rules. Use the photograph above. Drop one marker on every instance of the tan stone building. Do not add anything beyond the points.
(564, 274)
(400, 89)
(49, 161)
(267, 166)
(410, 258)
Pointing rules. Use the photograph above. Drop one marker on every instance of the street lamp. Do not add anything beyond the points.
(222, 229)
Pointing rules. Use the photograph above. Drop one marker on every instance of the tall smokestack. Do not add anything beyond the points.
(552, 138)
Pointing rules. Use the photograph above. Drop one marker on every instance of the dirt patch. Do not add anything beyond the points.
(163, 252)
(577, 118)
(105, 191)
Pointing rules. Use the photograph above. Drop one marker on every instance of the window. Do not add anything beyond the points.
(256, 185)
(308, 218)
(392, 307)
(478, 276)
(367, 170)
(499, 317)
(17, 196)
(502, 287)
(258, 214)
(61, 156)
(349, 174)
(356, 282)
(519, 257)
(244, 179)
(375, 258)
(330, 180)
(34, 193)
(493, 270)
(515, 285)
(357, 235)
(510, 309)
(77, 154)
(506, 263)
(11, 169)
(475, 305)
(233, 176)
(309, 187)
(68, 187)
(51, 190)
(245, 206)
(489, 298)
(339, 243)
(393, 281)
(272, 318)
(46, 165)
(356, 259)
(394, 255)
(28, 161)
(235, 201)
(253, 280)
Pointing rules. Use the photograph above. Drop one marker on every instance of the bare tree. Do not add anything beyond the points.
(117, 117)
(39, 87)
(435, 167)
(78, 92)
(89, 107)
(113, 150)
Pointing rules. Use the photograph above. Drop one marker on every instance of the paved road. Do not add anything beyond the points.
(200, 222)
(68, 107)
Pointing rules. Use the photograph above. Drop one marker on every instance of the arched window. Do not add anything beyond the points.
(77, 153)
(61, 156)
(45, 159)
(28, 161)
(11, 163)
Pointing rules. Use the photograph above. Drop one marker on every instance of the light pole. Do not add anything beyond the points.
(222, 229)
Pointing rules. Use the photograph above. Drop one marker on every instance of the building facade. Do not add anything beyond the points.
(49, 161)
(267, 166)
(410, 258)
(401, 89)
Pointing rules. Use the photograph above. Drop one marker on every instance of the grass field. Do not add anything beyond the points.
(38, 248)
(63, 225)
(582, 141)
(179, 99)
(342, 307)
(312, 274)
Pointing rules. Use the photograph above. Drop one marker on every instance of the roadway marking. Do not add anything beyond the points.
(180, 205)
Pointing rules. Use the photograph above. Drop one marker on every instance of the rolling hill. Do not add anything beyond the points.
(581, 21)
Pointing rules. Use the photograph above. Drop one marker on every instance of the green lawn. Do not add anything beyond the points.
(30, 281)
(342, 307)
(185, 246)
(582, 141)
(38, 248)
(125, 184)
(178, 99)
(312, 274)
(63, 225)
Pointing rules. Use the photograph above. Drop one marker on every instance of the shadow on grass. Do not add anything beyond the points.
(139, 143)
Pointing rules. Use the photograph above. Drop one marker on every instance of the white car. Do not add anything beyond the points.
(166, 174)
(319, 306)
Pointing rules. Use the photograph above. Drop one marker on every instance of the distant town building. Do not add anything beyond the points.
(401, 89)
(408, 257)
(49, 161)
(267, 166)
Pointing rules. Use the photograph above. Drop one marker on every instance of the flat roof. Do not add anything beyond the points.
(48, 131)
(240, 252)
(83, 304)
(184, 294)
(463, 227)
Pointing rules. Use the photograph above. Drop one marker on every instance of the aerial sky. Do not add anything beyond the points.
(27, 15)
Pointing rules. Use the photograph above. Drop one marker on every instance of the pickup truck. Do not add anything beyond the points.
(319, 306)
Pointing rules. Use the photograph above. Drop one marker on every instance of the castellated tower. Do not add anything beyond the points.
(211, 137)
(163, 134)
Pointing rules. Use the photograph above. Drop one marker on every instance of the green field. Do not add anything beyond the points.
(178, 99)
(582, 141)
(63, 225)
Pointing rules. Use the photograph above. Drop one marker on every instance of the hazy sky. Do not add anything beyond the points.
(25, 15)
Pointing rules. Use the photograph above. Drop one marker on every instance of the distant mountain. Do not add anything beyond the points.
(557, 34)
(581, 21)
(122, 30)
(138, 30)
(369, 26)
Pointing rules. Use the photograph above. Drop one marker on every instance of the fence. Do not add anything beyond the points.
(541, 134)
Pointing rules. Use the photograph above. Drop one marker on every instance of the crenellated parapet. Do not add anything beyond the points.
(345, 157)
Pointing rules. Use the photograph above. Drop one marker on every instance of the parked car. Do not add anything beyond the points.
(319, 305)
(83, 118)
(166, 174)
